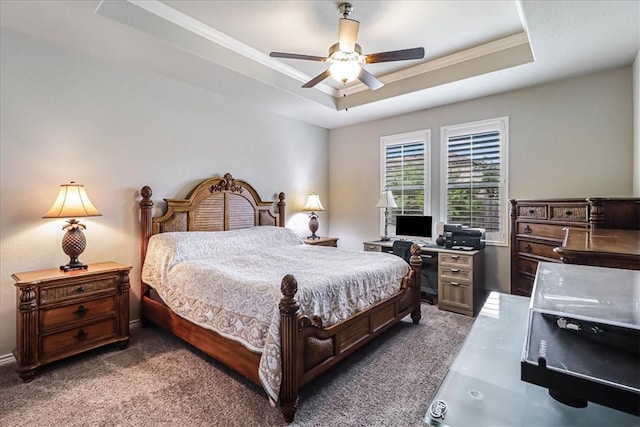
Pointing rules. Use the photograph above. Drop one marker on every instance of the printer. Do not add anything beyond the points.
(458, 236)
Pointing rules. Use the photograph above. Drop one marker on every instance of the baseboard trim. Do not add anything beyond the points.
(5, 359)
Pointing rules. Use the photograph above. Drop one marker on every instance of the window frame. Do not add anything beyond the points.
(501, 125)
(421, 136)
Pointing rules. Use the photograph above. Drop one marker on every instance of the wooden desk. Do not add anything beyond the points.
(459, 275)
(601, 248)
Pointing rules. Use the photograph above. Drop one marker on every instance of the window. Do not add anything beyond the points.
(475, 176)
(405, 170)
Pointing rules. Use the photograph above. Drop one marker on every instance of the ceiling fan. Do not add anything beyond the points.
(346, 55)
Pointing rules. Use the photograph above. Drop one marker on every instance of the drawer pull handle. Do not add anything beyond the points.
(528, 249)
(568, 213)
(455, 283)
(455, 256)
(531, 211)
(455, 270)
(80, 289)
(81, 335)
(81, 311)
(528, 230)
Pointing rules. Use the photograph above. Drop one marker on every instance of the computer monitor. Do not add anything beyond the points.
(414, 226)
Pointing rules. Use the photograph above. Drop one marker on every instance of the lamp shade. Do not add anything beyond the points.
(386, 200)
(313, 203)
(72, 202)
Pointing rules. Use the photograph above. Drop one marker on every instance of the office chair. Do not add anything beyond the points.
(428, 290)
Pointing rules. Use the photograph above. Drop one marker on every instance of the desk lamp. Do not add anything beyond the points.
(72, 202)
(386, 201)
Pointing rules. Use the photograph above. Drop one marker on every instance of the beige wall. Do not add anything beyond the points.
(572, 138)
(66, 116)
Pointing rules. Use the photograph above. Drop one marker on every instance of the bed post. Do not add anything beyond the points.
(288, 334)
(281, 205)
(416, 265)
(146, 204)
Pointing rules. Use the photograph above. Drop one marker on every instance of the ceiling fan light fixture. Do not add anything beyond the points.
(345, 71)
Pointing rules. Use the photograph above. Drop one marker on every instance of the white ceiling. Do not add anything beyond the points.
(473, 48)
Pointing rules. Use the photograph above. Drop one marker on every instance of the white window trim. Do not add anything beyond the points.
(502, 123)
(404, 138)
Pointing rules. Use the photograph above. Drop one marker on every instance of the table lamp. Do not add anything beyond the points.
(386, 201)
(72, 202)
(313, 205)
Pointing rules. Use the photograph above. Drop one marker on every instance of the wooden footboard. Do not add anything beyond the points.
(307, 348)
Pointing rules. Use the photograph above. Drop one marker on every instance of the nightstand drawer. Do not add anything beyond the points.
(76, 339)
(82, 311)
(78, 289)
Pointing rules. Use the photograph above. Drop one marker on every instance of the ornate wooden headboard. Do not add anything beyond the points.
(216, 204)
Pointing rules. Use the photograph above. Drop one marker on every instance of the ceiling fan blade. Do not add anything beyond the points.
(348, 34)
(320, 77)
(369, 79)
(297, 56)
(395, 55)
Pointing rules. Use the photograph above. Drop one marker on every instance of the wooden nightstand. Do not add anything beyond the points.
(60, 314)
(322, 241)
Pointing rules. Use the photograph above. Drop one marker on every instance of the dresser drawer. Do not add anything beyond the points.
(565, 213)
(80, 311)
(77, 339)
(523, 285)
(537, 249)
(456, 260)
(532, 211)
(456, 274)
(78, 289)
(547, 231)
(527, 266)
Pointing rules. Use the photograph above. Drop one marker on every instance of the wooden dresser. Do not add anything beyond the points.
(538, 227)
(60, 314)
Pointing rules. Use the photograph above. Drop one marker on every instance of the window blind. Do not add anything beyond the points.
(474, 180)
(404, 173)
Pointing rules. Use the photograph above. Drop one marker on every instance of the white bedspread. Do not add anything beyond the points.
(230, 282)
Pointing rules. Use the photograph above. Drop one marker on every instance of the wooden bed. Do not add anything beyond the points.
(308, 349)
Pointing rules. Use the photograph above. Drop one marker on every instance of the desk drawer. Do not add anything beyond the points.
(77, 339)
(454, 294)
(456, 260)
(81, 311)
(456, 274)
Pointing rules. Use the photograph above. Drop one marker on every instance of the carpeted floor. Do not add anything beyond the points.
(160, 381)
